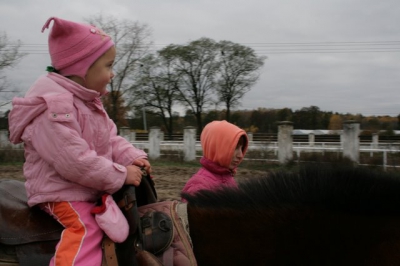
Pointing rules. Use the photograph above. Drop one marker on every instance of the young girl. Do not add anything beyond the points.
(224, 146)
(72, 151)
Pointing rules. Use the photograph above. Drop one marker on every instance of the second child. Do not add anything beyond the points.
(224, 147)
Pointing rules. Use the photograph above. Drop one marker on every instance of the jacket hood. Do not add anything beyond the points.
(26, 109)
(219, 140)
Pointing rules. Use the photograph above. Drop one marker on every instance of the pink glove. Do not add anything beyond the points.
(110, 218)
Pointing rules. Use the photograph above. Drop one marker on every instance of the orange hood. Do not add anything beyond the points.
(219, 140)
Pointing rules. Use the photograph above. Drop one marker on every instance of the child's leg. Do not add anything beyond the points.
(80, 242)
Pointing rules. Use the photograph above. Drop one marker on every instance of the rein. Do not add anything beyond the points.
(181, 210)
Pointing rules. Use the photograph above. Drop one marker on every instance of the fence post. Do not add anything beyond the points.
(250, 136)
(285, 141)
(311, 139)
(341, 140)
(375, 142)
(154, 143)
(126, 133)
(189, 144)
(351, 142)
(4, 142)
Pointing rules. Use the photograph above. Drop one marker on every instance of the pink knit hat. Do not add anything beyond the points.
(74, 47)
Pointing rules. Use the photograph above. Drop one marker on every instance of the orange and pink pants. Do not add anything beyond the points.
(80, 243)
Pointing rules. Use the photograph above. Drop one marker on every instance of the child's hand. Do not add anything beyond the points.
(133, 176)
(144, 164)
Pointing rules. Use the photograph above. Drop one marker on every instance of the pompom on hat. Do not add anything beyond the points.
(74, 47)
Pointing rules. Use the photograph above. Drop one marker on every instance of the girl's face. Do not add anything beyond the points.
(99, 74)
(237, 156)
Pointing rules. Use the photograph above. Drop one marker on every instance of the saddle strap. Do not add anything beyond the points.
(145, 258)
(128, 205)
(110, 257)
(129, 199)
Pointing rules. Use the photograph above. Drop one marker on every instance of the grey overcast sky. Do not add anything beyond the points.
(340, 55)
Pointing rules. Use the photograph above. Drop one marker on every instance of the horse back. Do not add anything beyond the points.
(293, 235)
(27, 234)
(19, 223)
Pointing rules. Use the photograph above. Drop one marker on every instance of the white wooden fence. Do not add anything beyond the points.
(284, 149)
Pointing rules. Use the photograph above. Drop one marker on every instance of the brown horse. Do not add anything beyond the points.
(317, 215)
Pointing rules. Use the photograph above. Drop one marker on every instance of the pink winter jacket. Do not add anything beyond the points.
(218, 141)
(72, 150)
(210, 176)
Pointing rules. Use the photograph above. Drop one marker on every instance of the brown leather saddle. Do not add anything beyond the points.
(29, 235)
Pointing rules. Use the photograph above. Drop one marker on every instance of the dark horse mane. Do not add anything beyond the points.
(354, 189)
(316, 214)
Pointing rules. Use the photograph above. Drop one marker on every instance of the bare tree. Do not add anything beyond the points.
(10, 55)
(133, 41)
(211, 72)
(238, 72)
(158, 87)
(9, 52)
(197, 66)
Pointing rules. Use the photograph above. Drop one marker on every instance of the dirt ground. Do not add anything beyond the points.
(169, 180)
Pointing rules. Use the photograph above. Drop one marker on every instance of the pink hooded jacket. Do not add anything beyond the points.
(218, 141)
(72, 150)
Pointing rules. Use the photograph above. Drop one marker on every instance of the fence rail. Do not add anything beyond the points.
(174, 148)
(268, 147)
(299, 148)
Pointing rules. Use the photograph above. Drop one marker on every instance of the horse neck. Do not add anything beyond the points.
(226, 237)
(291, 236)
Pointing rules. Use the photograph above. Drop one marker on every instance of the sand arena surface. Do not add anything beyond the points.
(169, 180)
